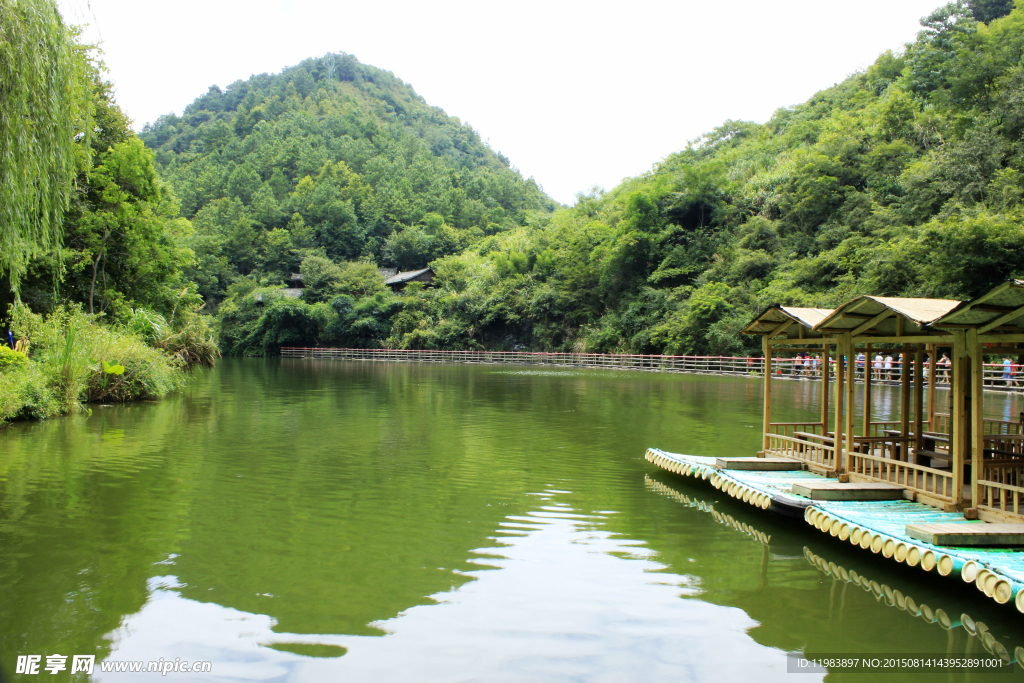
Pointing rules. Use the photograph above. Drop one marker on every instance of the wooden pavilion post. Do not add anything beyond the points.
(904, 402)
(767, 348)
(918, 398)
(958, 416)
(825, 348)
(867, 390)
(933, 351)
(840, 394)
(851, 401)
(976, 430)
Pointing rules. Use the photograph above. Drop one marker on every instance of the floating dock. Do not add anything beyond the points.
(943, 615)
(899, 529)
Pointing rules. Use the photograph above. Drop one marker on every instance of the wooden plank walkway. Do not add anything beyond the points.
(760, 464)
(878, 526)
(967, 534)
(836, 490)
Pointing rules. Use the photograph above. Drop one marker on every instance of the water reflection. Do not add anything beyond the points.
(977, 633)
(332, 521)
(805, 603)
(557, 597)
(726, 519)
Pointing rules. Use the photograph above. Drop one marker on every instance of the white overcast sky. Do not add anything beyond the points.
(576, 94)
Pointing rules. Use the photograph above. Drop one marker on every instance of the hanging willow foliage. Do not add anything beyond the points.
(43, 103)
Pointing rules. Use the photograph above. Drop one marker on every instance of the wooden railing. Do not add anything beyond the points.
(888, 468)
(782, 368)
(819, 456)
(1003, 427)
(1001, 446)
(992, 426)
(790, 428)
(710, 365)
(1001, 487)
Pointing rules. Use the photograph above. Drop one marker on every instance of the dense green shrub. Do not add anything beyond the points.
(26, 392)
(11, 359)
(75, 359)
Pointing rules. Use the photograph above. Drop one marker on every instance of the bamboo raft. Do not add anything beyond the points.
(943, 615)
(880, 526)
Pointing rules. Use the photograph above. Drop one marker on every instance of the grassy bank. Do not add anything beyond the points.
(68, 359)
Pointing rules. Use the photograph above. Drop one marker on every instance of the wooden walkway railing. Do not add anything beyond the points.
(820, 456)
(741, 366)
(704, 365)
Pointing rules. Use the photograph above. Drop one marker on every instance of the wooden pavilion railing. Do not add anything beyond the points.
(992, 426)
(820, 456)
(791, 428)
(883, 459)
(1001, 482)
(1000, 488)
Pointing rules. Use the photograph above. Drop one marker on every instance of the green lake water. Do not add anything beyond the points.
(331, 521)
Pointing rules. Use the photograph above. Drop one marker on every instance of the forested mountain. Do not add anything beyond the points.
(904, 179)
(335, 158)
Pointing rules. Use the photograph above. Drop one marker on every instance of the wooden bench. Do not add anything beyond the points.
(811, 436)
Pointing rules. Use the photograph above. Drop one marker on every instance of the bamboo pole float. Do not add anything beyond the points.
(970, 571)
(900, 553)
(877, 543)
(928, 560)
(947, 564)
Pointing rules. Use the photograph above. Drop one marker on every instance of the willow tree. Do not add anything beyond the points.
(43, 104)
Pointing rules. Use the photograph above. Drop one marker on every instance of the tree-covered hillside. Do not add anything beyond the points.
(904, 179)
(335, 158)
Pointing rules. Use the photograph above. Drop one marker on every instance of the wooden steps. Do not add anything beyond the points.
(834, 490)
(760, 464)
(968, 534)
